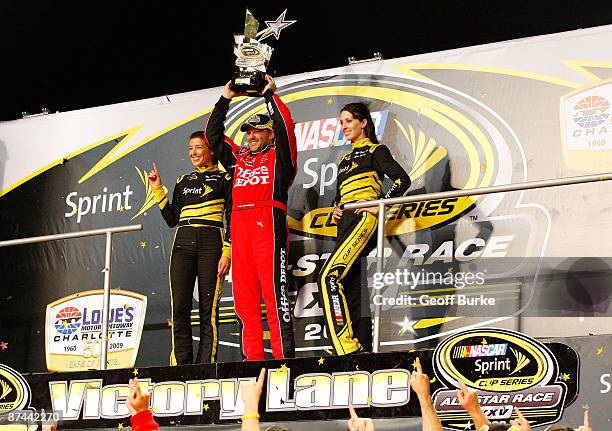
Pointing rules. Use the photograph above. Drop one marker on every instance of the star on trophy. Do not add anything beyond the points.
(252, 56)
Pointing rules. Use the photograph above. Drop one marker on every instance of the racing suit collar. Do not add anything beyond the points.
(362, 143)
(207, 168)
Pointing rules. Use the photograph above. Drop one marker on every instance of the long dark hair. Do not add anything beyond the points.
(361, 112)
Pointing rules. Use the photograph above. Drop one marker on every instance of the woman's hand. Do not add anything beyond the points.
(271, 85)
(223, 266)
(154, 178)
(371, 210)
(337, 214)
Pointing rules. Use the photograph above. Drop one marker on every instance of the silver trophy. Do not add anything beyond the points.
(252, 56)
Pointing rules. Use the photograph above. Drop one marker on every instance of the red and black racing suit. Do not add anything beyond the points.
(259, 227)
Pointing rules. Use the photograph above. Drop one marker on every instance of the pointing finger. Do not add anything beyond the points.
(419, 368)
(353, 412)
(262, 377)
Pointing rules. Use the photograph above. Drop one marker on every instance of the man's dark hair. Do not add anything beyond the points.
(361, 112)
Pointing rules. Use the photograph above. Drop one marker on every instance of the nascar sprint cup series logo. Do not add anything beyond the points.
(73, 330)
(446, 140)
(506, 369)
(14, 390)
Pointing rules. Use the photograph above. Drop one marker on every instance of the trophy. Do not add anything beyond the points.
(252, 56)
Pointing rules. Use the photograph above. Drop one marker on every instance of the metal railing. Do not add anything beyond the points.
(107, 267)
(382, 203)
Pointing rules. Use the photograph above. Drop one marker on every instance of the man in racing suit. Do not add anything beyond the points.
(263, 171)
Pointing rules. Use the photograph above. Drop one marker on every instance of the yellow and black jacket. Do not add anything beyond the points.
(199, 199)
(361, 174)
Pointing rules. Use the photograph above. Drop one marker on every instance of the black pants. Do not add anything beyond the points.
(195, 253)
(344, 296)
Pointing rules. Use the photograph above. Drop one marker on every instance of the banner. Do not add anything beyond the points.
(73, 332)
(482, 116)
(539, 378)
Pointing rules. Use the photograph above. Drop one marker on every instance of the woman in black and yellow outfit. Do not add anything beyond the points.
(201, 248)
(360, 178)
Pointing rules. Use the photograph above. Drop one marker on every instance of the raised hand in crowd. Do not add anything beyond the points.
(136, 401)
(250, 392)
(586, 424)
(138, 404)
(154, 178)
(520, 422)
(468, 399)
(419, 382)
(355, 423)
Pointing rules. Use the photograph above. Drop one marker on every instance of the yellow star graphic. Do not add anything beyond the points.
(599, 351)
(450, 269)
(484, 342)
(120, 426)
(321, 360)
(206, 407)
(330, 101)
(65, 324)
(143, 244)
(433, 380)
(411, 350)
(483, 167)
(126, 305)
(135, 372)
(121, 209)
(154, 408)
(566, 377)
(414, 364)
(369, 400)
(284, 368)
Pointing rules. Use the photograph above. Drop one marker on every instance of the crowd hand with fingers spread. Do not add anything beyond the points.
(250, 393)
(419, 382)
(468, 399)
(355, 423)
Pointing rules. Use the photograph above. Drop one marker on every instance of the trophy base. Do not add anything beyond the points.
(250, 82)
